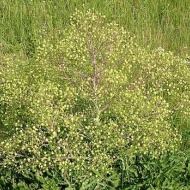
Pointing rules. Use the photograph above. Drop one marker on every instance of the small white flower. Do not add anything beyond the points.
(160, 49)
(187, 61)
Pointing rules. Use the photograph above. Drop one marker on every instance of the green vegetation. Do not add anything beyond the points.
(156, 24)
(85, 104)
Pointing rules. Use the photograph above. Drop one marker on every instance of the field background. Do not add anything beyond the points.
(155, 23)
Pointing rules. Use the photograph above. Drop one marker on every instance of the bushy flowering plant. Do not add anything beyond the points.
(92, 96)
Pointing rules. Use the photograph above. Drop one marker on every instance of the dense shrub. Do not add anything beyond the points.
(91, 98)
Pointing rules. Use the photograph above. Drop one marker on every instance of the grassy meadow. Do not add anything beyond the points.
(154, 23)
(94, 95)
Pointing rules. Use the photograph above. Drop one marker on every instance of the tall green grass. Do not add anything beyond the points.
(156, 23)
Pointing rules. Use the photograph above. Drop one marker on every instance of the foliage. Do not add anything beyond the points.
(90, 98)
(170, 171)
(155, 23)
